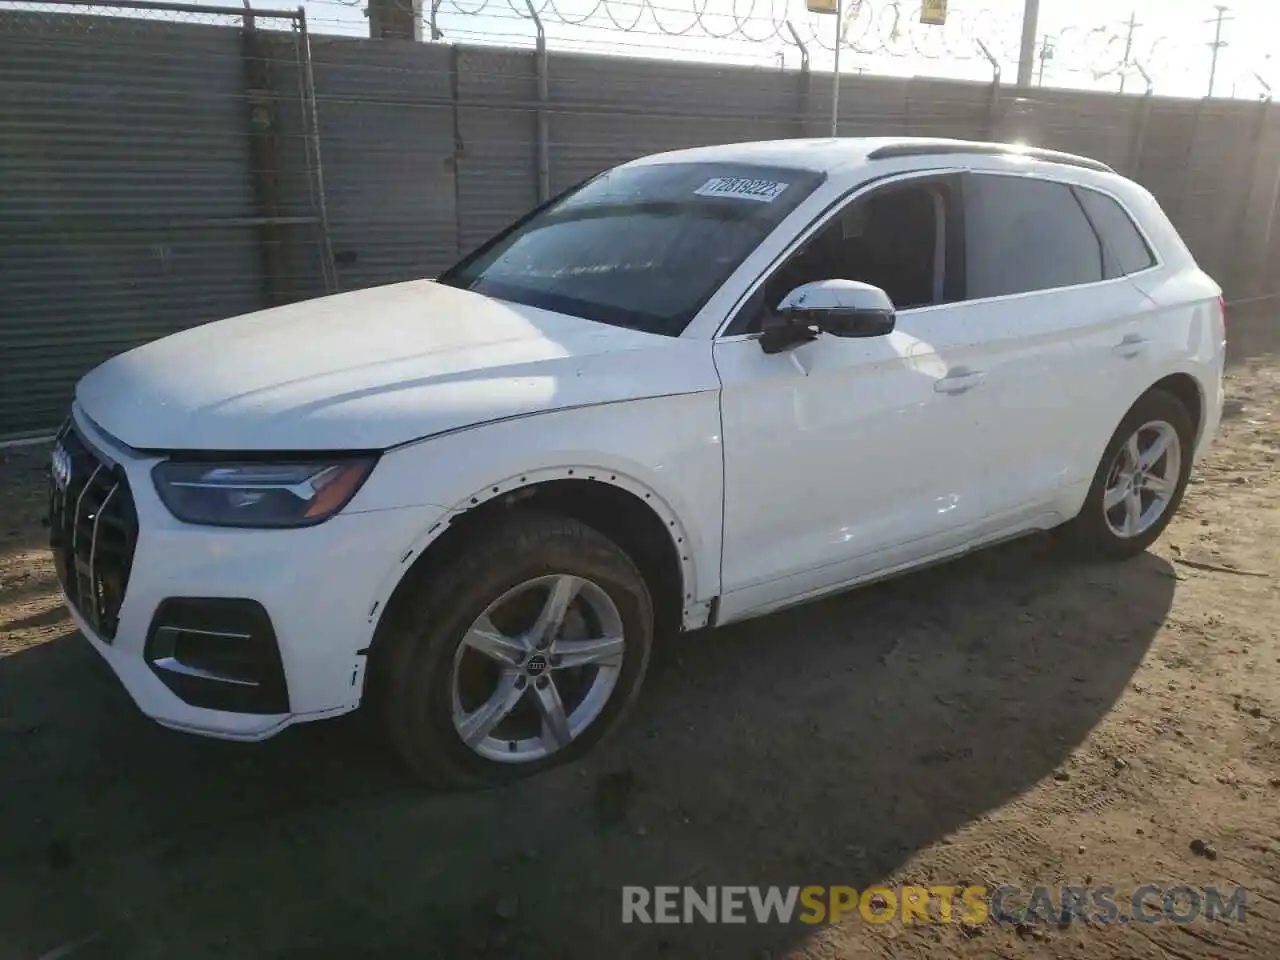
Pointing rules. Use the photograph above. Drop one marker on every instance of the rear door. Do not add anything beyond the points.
(1052, 316)
(1126, 357)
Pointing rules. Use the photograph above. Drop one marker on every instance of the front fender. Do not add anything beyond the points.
(664, 450)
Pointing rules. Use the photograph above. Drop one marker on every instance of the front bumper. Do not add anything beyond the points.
(322, 588)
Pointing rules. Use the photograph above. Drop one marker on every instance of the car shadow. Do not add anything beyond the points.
(822, 745)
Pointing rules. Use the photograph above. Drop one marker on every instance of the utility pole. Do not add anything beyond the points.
(1128, 48)
(1027, 53)
(1218, 42)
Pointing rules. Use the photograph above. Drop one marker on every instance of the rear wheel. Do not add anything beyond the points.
(519, 656)
(1140, 480)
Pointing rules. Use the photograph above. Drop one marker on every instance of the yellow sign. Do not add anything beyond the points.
(823, 6)
(933, 11)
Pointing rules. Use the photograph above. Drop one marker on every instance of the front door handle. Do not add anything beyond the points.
(959, 380)
(1132, 345)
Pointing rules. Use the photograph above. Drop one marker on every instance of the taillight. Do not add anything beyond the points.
(1222, 311)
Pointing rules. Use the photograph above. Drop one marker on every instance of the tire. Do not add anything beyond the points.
(1093, 532)
(431, 682)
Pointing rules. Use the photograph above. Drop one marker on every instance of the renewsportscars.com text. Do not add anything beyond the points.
(1097, 904)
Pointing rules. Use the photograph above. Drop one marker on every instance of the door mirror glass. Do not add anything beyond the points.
(841, 308)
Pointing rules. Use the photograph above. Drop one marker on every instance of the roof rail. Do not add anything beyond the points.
(922, 149)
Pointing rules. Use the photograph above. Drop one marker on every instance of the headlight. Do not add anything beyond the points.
(294, 494)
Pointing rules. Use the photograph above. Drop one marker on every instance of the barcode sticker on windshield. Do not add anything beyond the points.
(742, 188)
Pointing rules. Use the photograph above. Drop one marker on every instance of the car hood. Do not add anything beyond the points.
(372, 369)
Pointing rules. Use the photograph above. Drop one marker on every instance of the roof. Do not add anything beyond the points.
(837, 153)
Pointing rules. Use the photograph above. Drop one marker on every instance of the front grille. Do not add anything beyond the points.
(93, 530)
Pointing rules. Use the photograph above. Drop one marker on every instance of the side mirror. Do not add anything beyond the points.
(841, 308)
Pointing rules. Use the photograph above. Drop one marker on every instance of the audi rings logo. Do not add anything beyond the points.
(537, 664)
(60, 467)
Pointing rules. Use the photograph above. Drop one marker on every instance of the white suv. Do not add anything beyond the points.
(697, 388)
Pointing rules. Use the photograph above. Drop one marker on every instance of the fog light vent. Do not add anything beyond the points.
(220, 654)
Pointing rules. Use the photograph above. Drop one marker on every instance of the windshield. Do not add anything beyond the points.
(642, 247)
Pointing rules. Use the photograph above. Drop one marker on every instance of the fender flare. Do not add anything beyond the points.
(516, 482)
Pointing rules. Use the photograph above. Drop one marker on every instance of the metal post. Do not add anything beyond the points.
(802, 104)
(1139, 141)
(804, 51)
(1027, 53)
(1146, 77)
(313, 144)
(264, 153)
(835, 76)
(459, 147)
(1128, 48)
(1183, 163)
(993, 105)
(1217, 45)
(1046, 51)
(544, 143)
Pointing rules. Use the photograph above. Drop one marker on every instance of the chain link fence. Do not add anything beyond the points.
(161, 168)
(163, 162)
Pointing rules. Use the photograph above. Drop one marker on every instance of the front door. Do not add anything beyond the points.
(849, 457)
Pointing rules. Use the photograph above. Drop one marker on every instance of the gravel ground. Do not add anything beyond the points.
(1008, 718)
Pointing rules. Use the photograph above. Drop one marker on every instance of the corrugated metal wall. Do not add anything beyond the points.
(497, 152)
(386, 133)
(135, 199)
(128, 204)
(123, 149)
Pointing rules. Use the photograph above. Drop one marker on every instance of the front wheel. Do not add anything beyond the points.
(519, 656)
(1140, 480)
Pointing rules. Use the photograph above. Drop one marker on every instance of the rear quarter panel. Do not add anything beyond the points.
(1188, 336)
(1186, 324)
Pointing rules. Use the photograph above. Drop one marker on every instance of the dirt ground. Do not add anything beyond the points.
(1008, 718)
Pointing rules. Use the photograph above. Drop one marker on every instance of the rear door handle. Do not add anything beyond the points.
(1132, 345)
(959, 380)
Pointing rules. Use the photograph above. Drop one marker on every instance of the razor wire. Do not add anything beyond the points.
(1110, 51)
(870, 27)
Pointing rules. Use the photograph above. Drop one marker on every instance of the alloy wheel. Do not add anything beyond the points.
(536, 668)
(1142, 480)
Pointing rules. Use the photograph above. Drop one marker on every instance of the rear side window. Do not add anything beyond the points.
(1127, 252)
(1023, 235)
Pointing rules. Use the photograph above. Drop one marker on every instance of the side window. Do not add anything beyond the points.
(899, 238)
(1127, 251)
(1023, 234)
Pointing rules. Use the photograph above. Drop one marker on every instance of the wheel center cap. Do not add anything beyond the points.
(536, 665)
